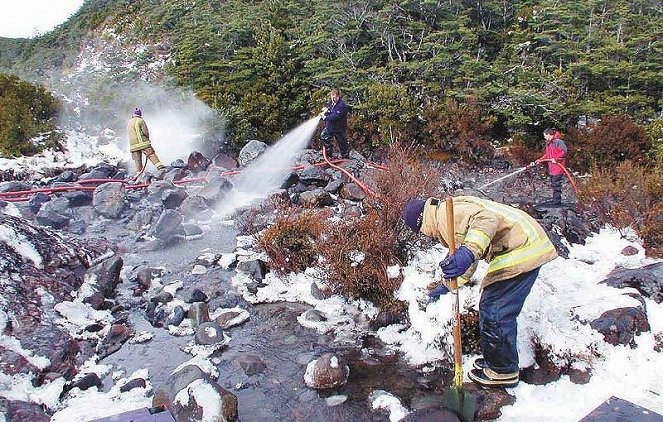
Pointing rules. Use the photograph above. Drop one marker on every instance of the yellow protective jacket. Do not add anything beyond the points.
(510, 240)
(139, 136)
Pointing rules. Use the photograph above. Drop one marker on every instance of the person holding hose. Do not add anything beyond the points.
(139, 142)
(514, 245)
(335, 116)
(555, 156)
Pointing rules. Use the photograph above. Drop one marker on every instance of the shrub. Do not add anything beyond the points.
(627, 196)
(357, 253)
(290, 241)
(614, 139)
(27, 111)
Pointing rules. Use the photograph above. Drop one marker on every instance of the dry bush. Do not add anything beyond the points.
(627, 196)
(613, 140)
(404, 179)
(290, 241)
(357, 253)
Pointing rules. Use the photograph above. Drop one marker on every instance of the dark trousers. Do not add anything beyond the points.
(341, 140)
(556, 183)
(499, 307)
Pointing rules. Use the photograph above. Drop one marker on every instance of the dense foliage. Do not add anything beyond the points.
(27, 112)
(410, 68)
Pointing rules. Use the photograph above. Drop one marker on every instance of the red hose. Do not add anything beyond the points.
(363, 187)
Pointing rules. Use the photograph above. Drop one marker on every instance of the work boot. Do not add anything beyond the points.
(488, 378)
(480, 363)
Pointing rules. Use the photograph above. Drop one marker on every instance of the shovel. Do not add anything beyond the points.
(456, 398)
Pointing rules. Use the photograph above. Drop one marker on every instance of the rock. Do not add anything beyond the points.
(326, 372)
(316, 198)
(52, 219)
(144, 275)
(257, 269)
(191, 230)
(186, 391)
(116, 337)
(88, 381)
(162, 297)
(334, 186)
(173, 198)
(14, 186)
(314, 176)
(141, 220)
(232, 317)
(106, 275)
(252, 150)
(352, 192)
(192, 206)
(109, 199)
(209, 333)
(168, 226)
(198, 313)
(630, 251)
(314, 315)
(198, 162)
(195, 295)
(134, 383)
(178, 316)
(320, 293)
(224, 161)
(619, 326)
(78, 198)
(37, 201)
(215, 189)
(290, 180)
(648, 280)
(251, 364)
(21, 411)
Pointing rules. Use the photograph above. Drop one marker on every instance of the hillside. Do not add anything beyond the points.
(524, 65)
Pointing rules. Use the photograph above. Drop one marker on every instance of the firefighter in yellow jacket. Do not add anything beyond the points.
(139, 142)
(515, 247)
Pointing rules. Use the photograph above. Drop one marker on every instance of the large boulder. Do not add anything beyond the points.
(252, 150)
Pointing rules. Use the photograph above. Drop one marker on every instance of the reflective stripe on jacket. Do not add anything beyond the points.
(139, 136)
(509, 239)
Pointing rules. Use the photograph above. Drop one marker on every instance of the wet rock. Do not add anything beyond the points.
(134, 383)
(186, 391)
(198, 162)
(21, 411)
(290, 180)
(58, 346)
(334, 186)
(314, 315)
(198, 313)
(191, 230)
(209, 333)
(619, 326)
(14, 186)
(251, 364)
(352, 192)
(106, 275)
(257, 269)
(630, 251)
(314, 176)
(178, 316)
(648, 280)
(162, 297)
(157, 189)
(116, 337)
(66, 176)
(215, 189)
(88, 381)
(326, 372)
(110, 200)
(173, 198)
(228, 300)
(195, 295)
(77, 227)
(12, 363)
(224, 161)
(192, 206)
(489, 402)
(252, 150)
(78, 198)
(145, 275)
(316, 198)
(232, 317)
(52, 219)
(37, 201)
(168, 226)
(141, 220)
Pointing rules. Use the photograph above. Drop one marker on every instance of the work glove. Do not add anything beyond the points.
(435, 294)
(455, 265)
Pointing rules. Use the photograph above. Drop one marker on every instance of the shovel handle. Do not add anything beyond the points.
(458, 356)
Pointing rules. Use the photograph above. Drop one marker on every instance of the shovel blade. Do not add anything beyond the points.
(461, 402)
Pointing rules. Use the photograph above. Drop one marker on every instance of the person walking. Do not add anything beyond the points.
(335, 116)
(139, 142)
(515, 246)
(555, 156)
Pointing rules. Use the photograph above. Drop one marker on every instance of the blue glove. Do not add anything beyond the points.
(435, 294)
(455, 265)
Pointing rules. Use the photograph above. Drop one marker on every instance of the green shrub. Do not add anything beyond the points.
(27, 111)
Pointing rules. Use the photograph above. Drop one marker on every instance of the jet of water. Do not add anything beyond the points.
(266, 173)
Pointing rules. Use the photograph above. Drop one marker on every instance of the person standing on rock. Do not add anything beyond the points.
(555, 156)
(139, 142)
(515, 246)
(335, 116)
